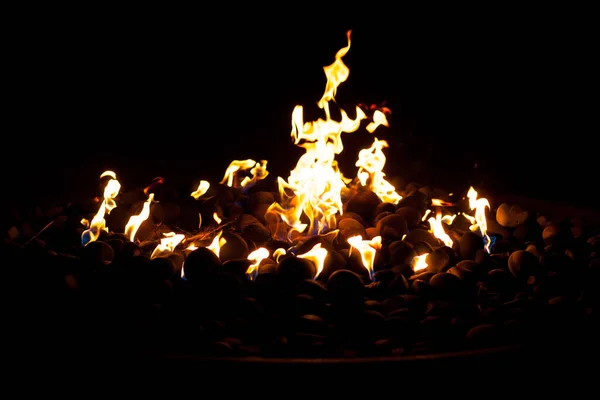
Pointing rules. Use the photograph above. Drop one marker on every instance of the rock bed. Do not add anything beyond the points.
(538, 284)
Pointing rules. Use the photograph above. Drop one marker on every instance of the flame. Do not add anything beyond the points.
(217, 243)
(257, 169)
(419, 263)
(470, 218)
(216, 218)
(371, 162)
(315, 184)
(256, 257)
(438, 229)
(202, 188)
(427, 212)
(192, 247)
(479, 206)
(85, 222)
(317, 255)
(448, 219)
(378, 119)
(278, 253)
(167, 244)
(111, 190)
(367, 250)
(440, 202)
(136, 220)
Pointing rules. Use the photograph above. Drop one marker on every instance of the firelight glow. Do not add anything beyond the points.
(316, 183)
(310, 199)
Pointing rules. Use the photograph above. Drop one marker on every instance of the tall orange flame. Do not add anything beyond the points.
(316, 182)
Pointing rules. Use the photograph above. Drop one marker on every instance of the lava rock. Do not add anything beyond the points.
(364, 203)
(393, 227)
(469, 244)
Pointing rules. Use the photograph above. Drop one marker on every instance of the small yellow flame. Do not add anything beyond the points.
(278, 253)
(426, 214)
(438, 229)
(98, 224)
(167, 244)
(256, 257)
(85, 222)
(192, 247)
(216, 218)
(419, 263)
(217, 243)
(479, 206)
(136, 220)
(258, 170)
(367, 249)
(370, 172)
(448, 219)
(202, 188)
(317, 255)
(378, 119)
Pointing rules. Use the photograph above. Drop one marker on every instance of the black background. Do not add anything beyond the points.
(497, 97)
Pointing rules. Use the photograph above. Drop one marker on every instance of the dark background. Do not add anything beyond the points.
(492, 97)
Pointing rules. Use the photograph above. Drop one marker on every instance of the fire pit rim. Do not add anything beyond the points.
(489, 351)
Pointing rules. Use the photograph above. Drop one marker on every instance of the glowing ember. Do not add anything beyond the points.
(419, 263)
(367, 250)
(98, 223)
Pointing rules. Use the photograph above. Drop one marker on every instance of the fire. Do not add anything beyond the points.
(217, 219)
(367, 250)
(258, 170)
(256, 257)
(370, 172)
(278, 253)
(419, 263)
(438, 229)
(479, 206)
(136, 220)
(192, 247)
(378, 119)
(315, 184)
(202, 188)
(439, 202)
(98, 224)
(448, 219)
(167, 244)
(217, 243)
(317, 255)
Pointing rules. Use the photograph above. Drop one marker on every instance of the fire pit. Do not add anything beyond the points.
(315, 265)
